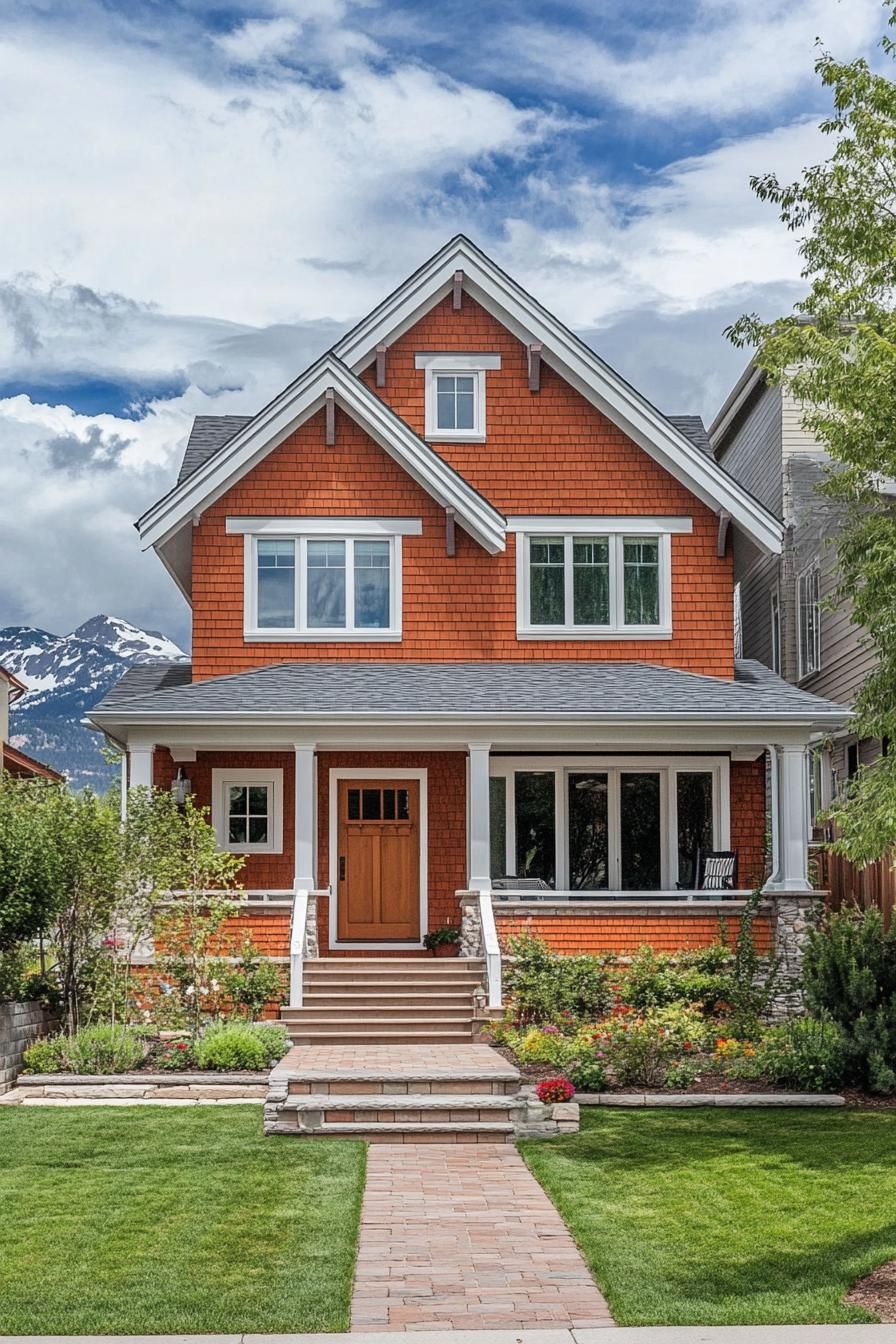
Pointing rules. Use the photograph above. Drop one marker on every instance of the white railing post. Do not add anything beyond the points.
(297, 947)
(492, 950)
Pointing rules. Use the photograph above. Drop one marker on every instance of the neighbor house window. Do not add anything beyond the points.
(593, 584)
(323, 584)
(247, 810)
(454, 394)
(809, 608)
(776, 630)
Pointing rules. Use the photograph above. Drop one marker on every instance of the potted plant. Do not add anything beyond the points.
(443, 942)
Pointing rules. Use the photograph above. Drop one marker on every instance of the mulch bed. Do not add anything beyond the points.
(877, 1292)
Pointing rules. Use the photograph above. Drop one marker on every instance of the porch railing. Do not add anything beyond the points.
(297, 947)
(492, 949)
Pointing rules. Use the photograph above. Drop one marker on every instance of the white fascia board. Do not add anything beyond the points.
(287, 412)
(575, 362)
(542, 524)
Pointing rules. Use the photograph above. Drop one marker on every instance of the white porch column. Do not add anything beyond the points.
(305, 868)
(136, 771)
(479, 818)
(790, 835)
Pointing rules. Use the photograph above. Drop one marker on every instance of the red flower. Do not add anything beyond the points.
(555, 1089)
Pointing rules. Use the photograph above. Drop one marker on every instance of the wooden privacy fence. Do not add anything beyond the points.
(847, 884)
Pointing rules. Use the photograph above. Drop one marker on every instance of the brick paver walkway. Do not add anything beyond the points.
(463, 1237)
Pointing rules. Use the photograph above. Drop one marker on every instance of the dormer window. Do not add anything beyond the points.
(454, 391)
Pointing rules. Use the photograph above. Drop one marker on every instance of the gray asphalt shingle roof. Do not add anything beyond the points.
(693, 428)
(525, 688)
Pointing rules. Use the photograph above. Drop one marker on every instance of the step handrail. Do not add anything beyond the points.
(492, 949)
(297, 946)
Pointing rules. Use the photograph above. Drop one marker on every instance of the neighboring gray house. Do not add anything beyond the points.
(784, 619)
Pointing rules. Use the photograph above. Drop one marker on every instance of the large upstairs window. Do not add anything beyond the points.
(321, 582)
(581, 583)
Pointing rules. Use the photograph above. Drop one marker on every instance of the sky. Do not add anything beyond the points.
(198, 199)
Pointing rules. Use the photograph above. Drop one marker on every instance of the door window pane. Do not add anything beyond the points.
(694, 797)
(372, 585)
(326, 584)
(641, 585)
(497, 804)
(535, 825)
(588, 832)
(591, 581)
(354, 804)
(639, 825)
(276, 568)
(546, 606)
(370, 804)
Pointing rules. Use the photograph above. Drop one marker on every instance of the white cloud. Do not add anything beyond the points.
(259, 39)
(726, 59)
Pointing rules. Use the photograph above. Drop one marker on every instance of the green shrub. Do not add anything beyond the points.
(641, 1049)
(103, 1049)
(681, 1074)
(807, 1053)
(173, 1055)
(544, 985)
(231, 1046)
(100, 1049)
(702, 978)
(849, 972)
(253, 981)
(46, 1056)
(589, 1075)
(42, 987)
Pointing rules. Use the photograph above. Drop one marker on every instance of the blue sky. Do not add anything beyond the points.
(198, 199)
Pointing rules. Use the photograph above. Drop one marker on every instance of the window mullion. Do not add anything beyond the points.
(617, 581)
(349, 584)
(302, 583)
(568, 609)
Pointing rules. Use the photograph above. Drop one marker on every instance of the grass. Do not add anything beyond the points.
(147, 1221)
(717, 1217)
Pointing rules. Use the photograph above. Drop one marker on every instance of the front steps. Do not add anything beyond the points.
(402, 1094)
(386, 1001)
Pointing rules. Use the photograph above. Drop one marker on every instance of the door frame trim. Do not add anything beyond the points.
(341, 772)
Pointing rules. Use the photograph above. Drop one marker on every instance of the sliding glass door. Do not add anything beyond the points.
(606, 824)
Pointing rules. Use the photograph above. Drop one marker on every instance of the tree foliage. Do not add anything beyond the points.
(836, 353)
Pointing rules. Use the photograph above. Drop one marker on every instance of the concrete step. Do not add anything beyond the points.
(381, 998)
(439, 963)
(458, 1104)
(364, 1012)
(384, 1035)
(408, 1131)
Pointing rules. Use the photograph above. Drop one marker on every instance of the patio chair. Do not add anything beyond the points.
(510, 882)
(716, 870)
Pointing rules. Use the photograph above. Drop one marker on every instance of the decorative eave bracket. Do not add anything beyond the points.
(722, 540)
(534, 357)
(330, 414)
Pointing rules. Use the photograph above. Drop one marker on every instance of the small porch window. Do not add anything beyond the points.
(247, 810)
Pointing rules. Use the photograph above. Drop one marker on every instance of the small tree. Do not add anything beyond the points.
(30, 878)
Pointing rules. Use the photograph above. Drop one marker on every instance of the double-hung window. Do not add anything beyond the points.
(323, 583)
(809, 616)
(584, 583)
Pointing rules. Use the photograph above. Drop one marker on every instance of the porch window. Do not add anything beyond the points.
(593, 584)
(247, 810)
(597, 824)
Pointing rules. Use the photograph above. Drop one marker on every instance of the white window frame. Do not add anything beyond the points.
(617, 530)
(808, 667)
(668, 767)
(300, 531)
(454, 365)
(222, 782)
(775, 618)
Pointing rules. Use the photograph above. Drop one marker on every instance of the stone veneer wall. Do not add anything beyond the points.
(20, 1025)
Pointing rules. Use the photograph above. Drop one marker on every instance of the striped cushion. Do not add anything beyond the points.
(717, 873)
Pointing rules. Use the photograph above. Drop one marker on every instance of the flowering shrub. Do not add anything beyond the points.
(548, 1045)
(555, 1089)
(590, 1074)
(173, 1055)
(807, 1053)
(545, 986)
(642, 1048)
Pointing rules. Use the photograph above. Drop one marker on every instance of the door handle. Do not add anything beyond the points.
(341, 867)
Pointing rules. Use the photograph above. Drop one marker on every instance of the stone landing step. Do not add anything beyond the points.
(410, 1133)
(386, 1034)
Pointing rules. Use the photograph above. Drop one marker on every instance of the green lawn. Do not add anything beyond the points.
(143, 1221)
(717, 1217)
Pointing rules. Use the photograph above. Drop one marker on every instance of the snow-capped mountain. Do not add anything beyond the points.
(66, 675)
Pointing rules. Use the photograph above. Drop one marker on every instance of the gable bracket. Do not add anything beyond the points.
(457, 289)
(330, 412)
(534, 355)
(450, 539)
(722, 541)
(381, 364)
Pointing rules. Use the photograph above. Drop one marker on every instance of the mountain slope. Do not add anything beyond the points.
(67, 675)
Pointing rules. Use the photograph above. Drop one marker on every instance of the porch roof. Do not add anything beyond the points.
(592, 691)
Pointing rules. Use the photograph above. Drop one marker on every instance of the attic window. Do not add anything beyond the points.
(454, 393)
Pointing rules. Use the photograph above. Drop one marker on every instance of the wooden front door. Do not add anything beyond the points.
(378, 860)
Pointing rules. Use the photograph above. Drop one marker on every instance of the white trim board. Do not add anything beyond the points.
(573, 360)
(337, 773)
(296, 525)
